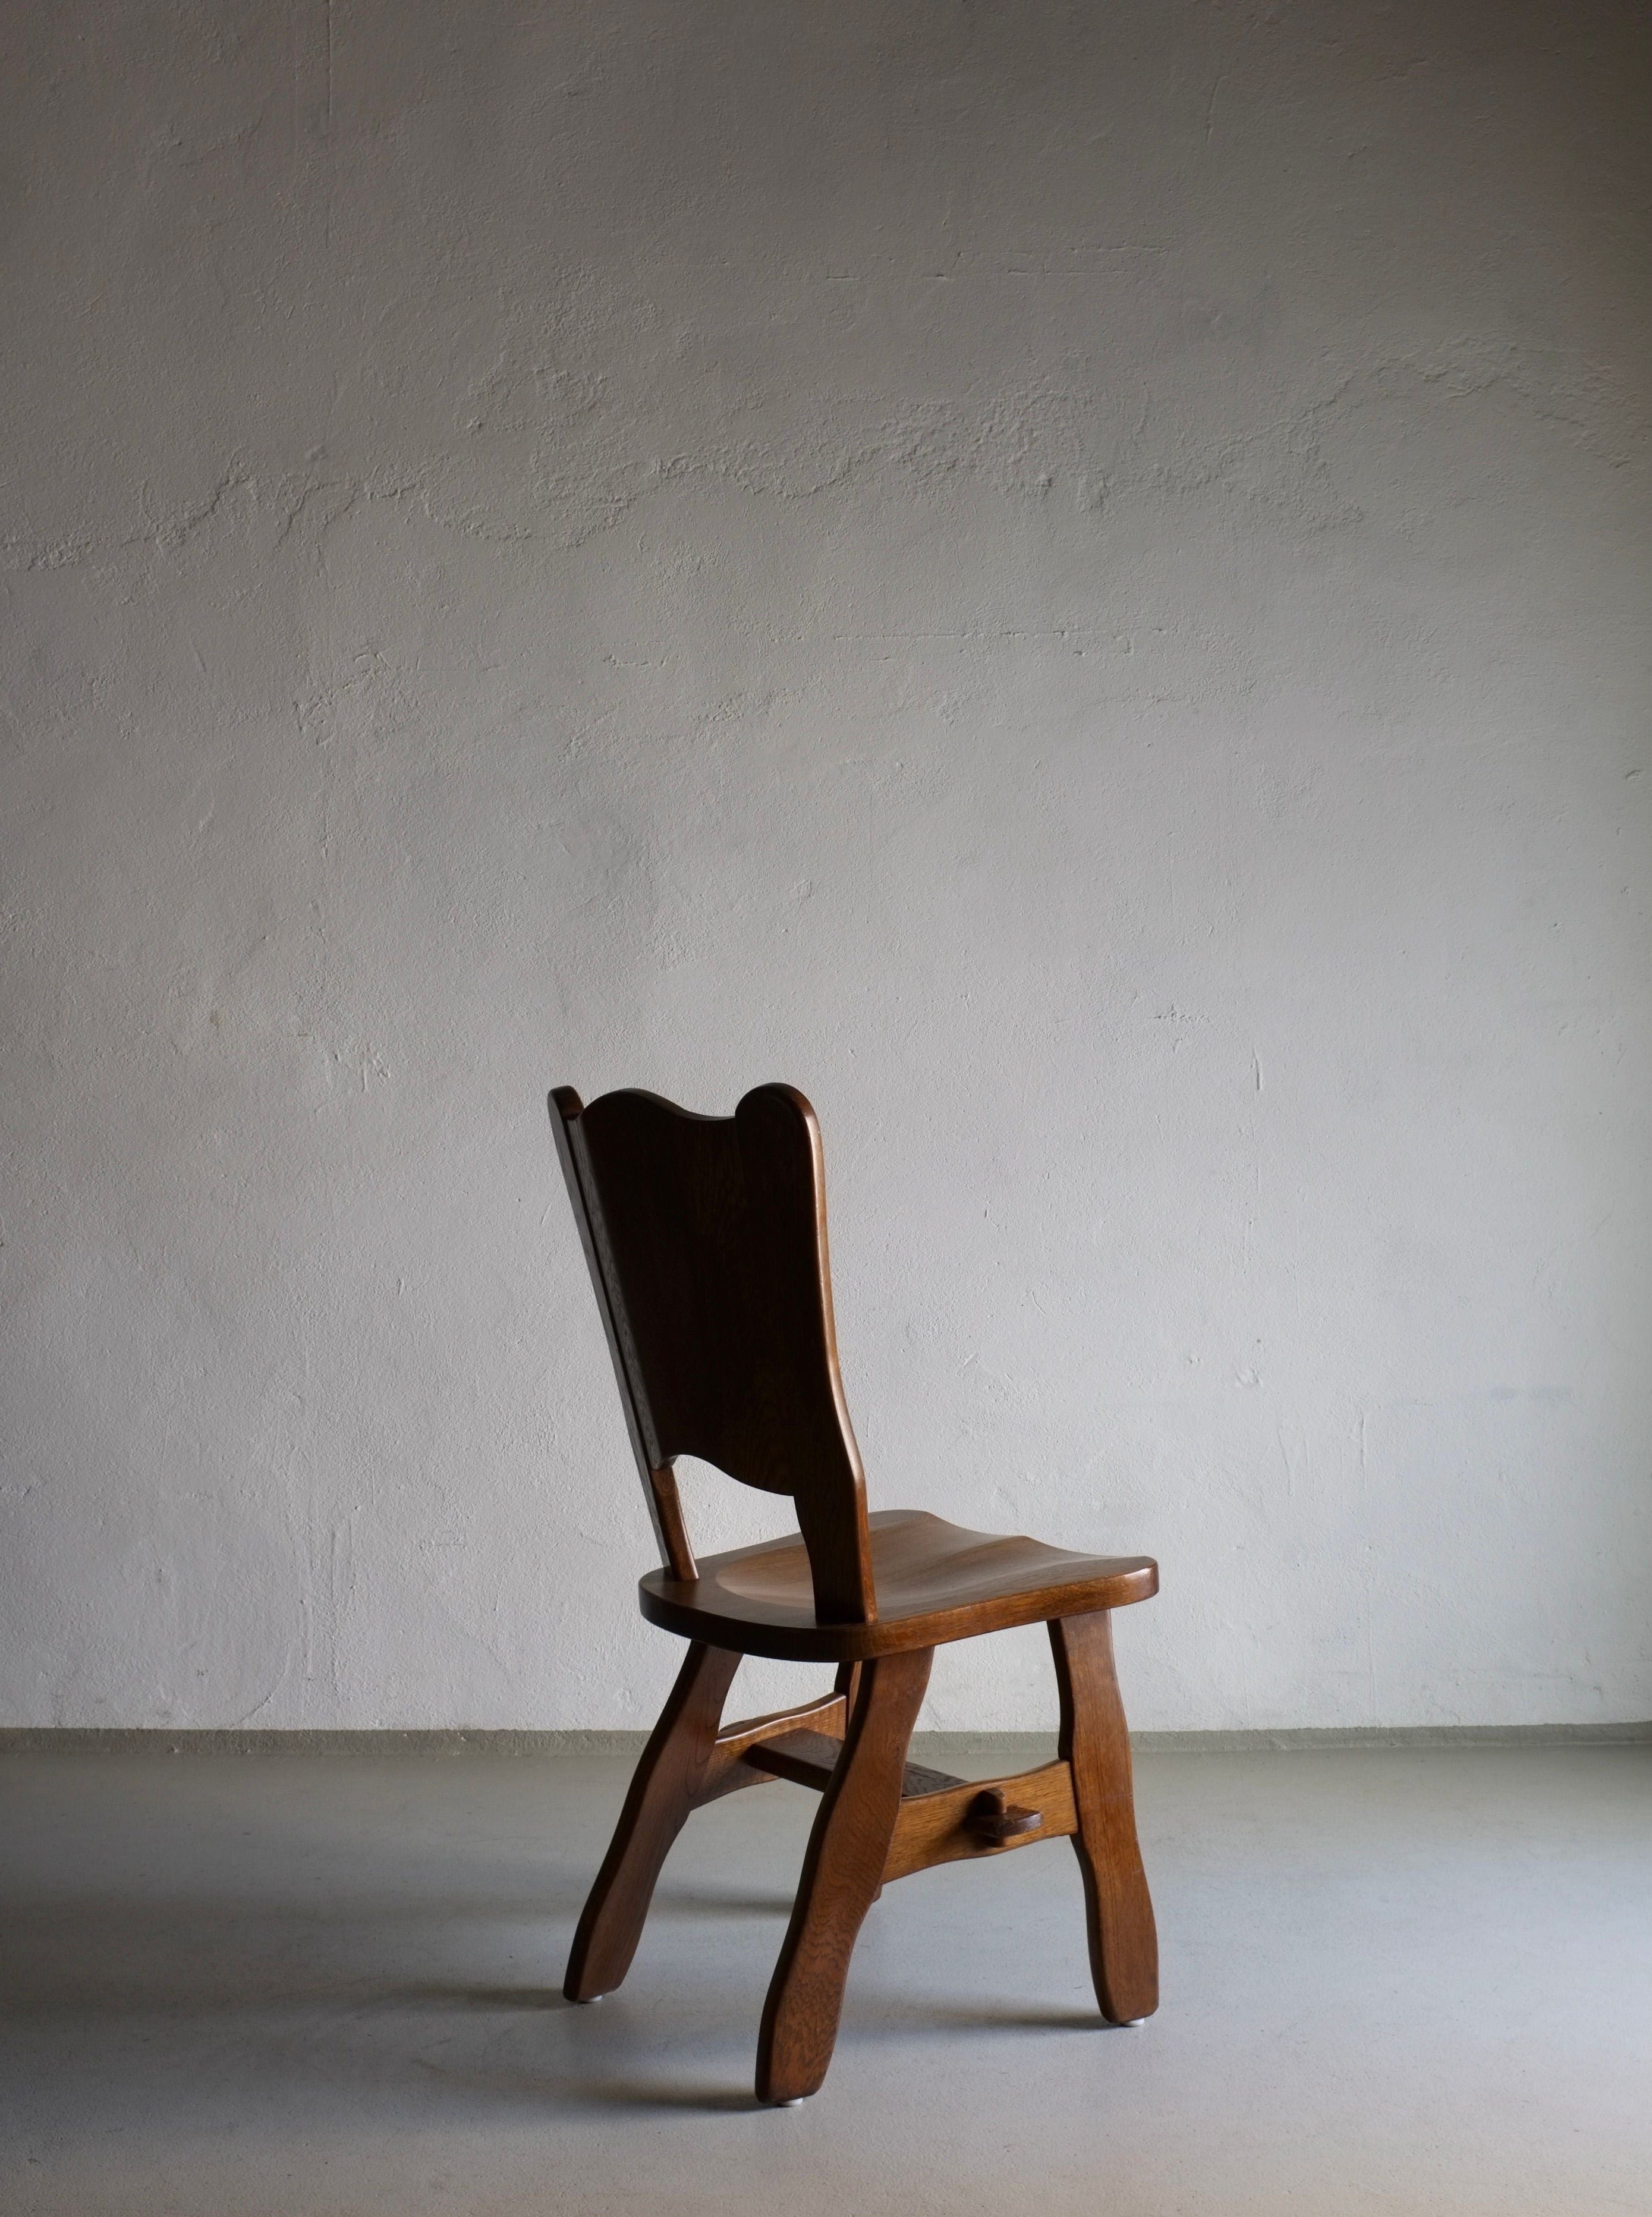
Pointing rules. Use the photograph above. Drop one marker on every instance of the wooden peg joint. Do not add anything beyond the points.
(986, 1818)
(993, 1816)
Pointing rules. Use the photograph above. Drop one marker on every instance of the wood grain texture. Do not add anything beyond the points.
(993, 1817)
(666, 1785)
(842, 1872)
(935, 1581)
(1123, 1943)
(728, 1770)
(937, 1828)
(706, 1241)
(808, 1758)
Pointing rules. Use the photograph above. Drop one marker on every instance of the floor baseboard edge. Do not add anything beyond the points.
(99, 1739)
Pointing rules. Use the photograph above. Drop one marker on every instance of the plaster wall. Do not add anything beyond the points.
(1072, 581)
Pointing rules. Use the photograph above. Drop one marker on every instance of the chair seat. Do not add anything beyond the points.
(935, 1581)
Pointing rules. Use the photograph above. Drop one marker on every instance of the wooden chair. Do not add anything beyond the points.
(706, 1241)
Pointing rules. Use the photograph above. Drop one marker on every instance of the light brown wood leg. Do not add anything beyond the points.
(841, 1874)
(1123, 1945)
(663, 1790)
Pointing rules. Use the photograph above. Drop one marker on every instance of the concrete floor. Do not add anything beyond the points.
(1394, 1981)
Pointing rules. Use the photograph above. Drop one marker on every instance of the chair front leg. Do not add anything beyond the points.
(841, 1874)
(1123, 1944)
(662, 1792)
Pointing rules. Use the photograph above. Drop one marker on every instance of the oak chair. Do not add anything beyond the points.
(706, 1241)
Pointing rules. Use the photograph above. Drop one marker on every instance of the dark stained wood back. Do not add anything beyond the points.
(706, 1241)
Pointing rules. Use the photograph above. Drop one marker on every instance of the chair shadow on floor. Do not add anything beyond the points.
(692, 1901)
(110, 1961)
(620, 2087)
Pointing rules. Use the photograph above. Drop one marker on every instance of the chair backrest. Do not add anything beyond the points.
(706, 1241)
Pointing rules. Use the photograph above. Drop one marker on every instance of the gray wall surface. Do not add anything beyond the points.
(1072, 581)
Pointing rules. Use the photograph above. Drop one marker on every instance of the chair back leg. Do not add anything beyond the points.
(843, 1873)
(665, 1787)
(1123, 1944)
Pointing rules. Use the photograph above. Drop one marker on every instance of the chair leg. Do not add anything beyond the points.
(847, 1684)
(1123, 1945)
(842, 1875)
(662, 1792)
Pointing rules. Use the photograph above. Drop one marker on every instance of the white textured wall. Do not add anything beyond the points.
(1072, 580)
